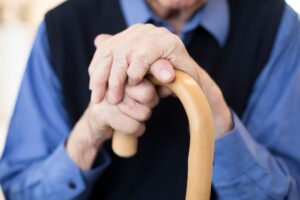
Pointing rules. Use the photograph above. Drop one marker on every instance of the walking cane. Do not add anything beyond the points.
(201, 136)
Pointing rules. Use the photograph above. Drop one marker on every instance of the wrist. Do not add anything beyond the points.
(84, 143)
(81, 154)
(90, 131)
(224, 125)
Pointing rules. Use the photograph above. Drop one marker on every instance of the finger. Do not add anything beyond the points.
(134, 110)
(163, 71)
(164, 92)
(125, 124)
(140, 54)
(140, 61)
(99, 77)
(100, 39)
(117, 79)
(144, 93)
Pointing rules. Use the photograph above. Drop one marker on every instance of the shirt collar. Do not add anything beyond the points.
(214, 16)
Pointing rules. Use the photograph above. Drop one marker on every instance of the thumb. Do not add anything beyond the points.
(101, 38)
(163, 71)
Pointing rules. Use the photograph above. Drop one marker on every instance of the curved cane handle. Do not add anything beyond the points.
(201, 136)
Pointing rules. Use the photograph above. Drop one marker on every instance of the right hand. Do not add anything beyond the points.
(101, 119)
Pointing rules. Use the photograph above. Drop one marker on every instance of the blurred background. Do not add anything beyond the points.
(19, 20)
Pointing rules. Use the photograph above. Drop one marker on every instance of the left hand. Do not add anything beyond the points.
(131, 55)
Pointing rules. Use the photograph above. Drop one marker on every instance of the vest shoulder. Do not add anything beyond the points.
(70, 8)
(256, 2)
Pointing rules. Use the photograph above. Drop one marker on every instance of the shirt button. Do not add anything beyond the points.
(72, 185)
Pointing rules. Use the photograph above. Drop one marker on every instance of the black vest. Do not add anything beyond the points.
(158, 172)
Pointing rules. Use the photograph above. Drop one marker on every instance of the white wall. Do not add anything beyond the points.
(295, 4)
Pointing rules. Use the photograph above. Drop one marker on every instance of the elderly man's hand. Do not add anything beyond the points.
(99, 121)
(129, 55)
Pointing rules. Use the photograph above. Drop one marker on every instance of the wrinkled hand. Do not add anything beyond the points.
(129, 115)
(99, 121)
(128, 57)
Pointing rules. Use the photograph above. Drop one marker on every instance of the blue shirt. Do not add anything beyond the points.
(258, 159)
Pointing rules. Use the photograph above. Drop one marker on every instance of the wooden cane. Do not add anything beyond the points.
(201, 136)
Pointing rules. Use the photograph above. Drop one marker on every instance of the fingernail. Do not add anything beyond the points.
(165, 75)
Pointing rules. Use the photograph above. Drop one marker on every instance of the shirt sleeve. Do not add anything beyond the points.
(35, 164)
(260, 157)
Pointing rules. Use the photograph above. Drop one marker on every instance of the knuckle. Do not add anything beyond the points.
(119, 70)
(131, 105)
(163, 30)
(119, 52)
(141, 56)
(138, 68)
(100, 39)
(135, 26)
(146, 114)
(105, 53)
(98, 79)
(149, 26)
(148, 94)
(120, 63)
(139, 61)
(115, 82)
(175, 39)
(95, 83)
(96, 114)
(117, 79)
(135, 128)
(179, 43)
(135, 75)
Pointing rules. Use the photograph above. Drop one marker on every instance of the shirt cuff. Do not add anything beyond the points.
(66, 179)
(234, 154)
(101, 163)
